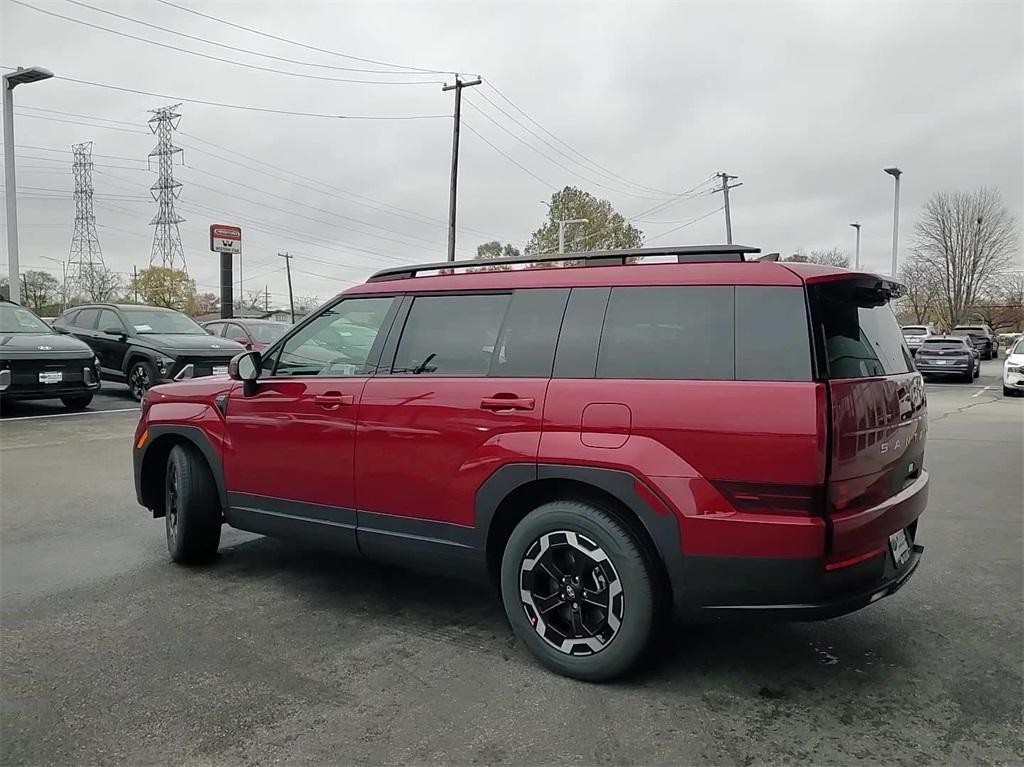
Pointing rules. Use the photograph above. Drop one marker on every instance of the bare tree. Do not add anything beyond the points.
(1002, 305)
(969, 239)
(921, 291)
(97, 283)
(830, 257)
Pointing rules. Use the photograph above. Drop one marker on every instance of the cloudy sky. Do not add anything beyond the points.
(806, 103)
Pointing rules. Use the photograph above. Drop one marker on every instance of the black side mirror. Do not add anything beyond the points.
(246, 367)
(119, 332)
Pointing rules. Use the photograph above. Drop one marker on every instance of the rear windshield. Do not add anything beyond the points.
(975, 329)
(858, 331)
(946, 345)
(908, 331)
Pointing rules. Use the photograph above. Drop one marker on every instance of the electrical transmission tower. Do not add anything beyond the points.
(167, 250)
(85, 259)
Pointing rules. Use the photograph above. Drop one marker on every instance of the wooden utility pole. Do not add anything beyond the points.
(726, 178)
(457, 87)
(288, 268)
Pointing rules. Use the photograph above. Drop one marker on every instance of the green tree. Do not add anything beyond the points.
(39, 290)
(495, 249)
(605, 228)
(161, 286)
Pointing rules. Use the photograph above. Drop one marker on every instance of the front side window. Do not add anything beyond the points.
(669, 333)
(859, 331)
(336, 342)
(451, 335)
(18, 319)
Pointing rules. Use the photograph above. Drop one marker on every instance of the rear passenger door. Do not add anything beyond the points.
(84, 327)
(463, 395)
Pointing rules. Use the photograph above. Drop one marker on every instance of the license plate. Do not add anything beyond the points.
(900, 547)
(51, 377)
(220, 370)
(941, 362)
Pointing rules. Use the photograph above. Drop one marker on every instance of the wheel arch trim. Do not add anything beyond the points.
(161, 438)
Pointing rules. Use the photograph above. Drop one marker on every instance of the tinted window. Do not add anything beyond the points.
(672, 332)
(163, 321)
(68, 318)
(581, 333)
(337, 342)
(526, 345)
(859, 331)
(915, 331)
(451, 335)
(268, 332)
(772, 342)
(943, 345)
(109, 320)
(87, 318)
(18, 319)
(235, 333)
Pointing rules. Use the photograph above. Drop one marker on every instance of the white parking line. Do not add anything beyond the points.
(981, 392)
(68, 415)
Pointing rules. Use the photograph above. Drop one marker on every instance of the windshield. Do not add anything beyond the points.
(1018, 348)
(17, 319)
(909, 331)
(943, 345)
(269, 332)
(164, 321)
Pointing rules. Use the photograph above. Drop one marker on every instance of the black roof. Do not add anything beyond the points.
(684, 254)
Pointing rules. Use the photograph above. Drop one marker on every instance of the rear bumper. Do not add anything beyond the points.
(943, 370)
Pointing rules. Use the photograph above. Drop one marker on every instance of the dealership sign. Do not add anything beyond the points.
(225, 239)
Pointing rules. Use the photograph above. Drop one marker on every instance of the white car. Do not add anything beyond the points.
(1013, 369)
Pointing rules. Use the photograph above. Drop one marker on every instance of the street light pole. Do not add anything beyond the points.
(12, 80)
(561, 230)
(895, 173)
(856, 257)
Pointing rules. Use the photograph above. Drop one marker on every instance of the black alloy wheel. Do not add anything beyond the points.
(140, 378)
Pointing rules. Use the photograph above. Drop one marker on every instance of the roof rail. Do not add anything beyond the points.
(683, 255)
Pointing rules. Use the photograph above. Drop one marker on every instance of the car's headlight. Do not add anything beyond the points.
(1013, 368)
(164, 364)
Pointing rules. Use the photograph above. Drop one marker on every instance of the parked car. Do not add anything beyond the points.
(915, 335)
(1013, 369)
(983, 338)
(147, 345)
(946, 356)
(38, 363)
(252, 334)
(606, 442)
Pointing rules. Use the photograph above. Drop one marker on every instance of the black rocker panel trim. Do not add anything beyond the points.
(422, 543)
(196, 437)
(331, 526)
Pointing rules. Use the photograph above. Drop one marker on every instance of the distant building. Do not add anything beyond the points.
(277, 315)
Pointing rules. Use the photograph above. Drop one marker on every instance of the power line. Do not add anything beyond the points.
(79, 122)
(68, 151)
(688, 223)
(305, 45)
(607, 174)
(76, 114)
(556, 162)
(179, 49)
(523, 168)
(225, 46)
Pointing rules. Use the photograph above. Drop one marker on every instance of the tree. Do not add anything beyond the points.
(97, 283)
(921, 292)
(1002, 305)
(605, 229)
(39, 290)
(495, 249)
(5, 288)
(207, 303)
(162, 286)
(969, 239)
(306, 304)
(830, 257)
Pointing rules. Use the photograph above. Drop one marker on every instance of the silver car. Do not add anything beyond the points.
(916, 335)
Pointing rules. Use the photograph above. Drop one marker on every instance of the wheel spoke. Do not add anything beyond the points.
(578, 629)
(588, 599)
(552, 570)
(548, 603)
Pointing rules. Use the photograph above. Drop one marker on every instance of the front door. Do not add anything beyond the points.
(110, 347)
(463, 396)
(290, 445)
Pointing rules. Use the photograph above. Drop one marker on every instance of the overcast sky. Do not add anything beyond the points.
(806, 103)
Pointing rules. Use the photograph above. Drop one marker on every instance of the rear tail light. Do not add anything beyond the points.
(803, 500)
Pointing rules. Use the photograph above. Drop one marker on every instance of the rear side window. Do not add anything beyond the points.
(772, 342)
(451, 335)
(668, 332)
(87, 318)
(526, 344)
(859, 333)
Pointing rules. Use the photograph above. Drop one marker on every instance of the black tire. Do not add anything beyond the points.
(77, 401)
(192, 514)
(968, 377)
(620, 647)
(141, 376)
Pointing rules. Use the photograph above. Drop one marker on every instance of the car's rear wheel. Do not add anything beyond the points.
(968, 377)
(579, 590)
(141, 376)
(77, 401)
(192, 514)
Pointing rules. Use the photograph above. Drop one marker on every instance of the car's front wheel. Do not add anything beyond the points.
(578, 590)
(141, 376)
(77, 401)
(192, 514)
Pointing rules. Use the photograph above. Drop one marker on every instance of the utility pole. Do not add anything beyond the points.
(266, 298)
(856, 258)
(85, 257)
(561, 230)
(726, 178)
(167, 250)
(135, 282)
(457, 87)
(288, 268)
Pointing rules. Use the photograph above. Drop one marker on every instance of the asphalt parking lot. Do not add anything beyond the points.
(285, 655)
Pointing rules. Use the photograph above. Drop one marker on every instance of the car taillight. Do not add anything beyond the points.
(805, 500)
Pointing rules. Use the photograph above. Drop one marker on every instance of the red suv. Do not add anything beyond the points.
(606, 442)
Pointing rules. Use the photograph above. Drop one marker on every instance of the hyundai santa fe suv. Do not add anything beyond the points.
(609, 443)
